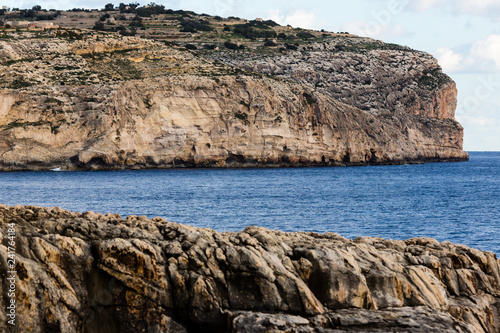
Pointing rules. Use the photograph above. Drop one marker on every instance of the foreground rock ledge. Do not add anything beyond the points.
(93, 273)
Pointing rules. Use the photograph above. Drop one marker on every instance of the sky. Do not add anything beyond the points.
(464, 35)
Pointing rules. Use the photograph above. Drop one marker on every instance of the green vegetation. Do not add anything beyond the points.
(209, 46)
(36, 14)
(433, 79)
(51, 100)
(194, 26)
(99, 26)
(310, 100)
(305, 35)
(314, 122)
(20, 83)
(55, 129)
(101, 55)
(6, 36)
(127, 69)
(233, 46)
(367, 47)
(242, 116)
(15, 61)
(17, 123)
(69, 34)
(65, 68)
(136, 22)
(254, 31)
(247, 105)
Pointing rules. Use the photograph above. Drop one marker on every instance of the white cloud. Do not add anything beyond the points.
(481, 133)
(488, 8)
(300, 18)
(276, 16)
(449, 60)
(482, 56)
(482, 7)
(56, 4)
(477, 109)
(487, 49)
(374, 29)
(394, 31)
(361, 28)
(424, 5)
(478, 121)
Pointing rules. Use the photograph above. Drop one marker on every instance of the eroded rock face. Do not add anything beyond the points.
(94, 273)
(108, 102)
(379, 78)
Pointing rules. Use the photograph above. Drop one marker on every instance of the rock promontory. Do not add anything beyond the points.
(101, 273)
(81, 99)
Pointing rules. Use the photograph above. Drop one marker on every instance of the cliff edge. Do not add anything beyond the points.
(78, 99)
(94, 273)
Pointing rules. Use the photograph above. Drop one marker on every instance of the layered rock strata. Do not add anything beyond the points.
(111, 102)
(94, 273)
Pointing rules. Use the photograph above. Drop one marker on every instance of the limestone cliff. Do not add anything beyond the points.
(103, 101)
(93, 273)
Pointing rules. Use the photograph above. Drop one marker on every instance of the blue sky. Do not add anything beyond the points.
(463, 34)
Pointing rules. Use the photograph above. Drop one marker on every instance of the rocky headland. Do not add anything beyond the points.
(83, 99)
(101, 273)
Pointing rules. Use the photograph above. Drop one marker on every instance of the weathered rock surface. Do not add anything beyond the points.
(383, 79)
(110, 102)
(93, 273)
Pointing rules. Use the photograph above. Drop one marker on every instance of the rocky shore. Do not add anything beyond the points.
(101, 273)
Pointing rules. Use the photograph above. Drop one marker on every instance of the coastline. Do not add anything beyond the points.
(229, 163)
(156, 274)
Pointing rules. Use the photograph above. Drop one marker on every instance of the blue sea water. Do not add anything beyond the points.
(459, 202)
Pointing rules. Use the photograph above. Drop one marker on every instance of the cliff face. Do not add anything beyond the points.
(105, 101)
(94, 273)
(382, 79)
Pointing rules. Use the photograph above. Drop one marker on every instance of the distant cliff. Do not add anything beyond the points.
(103, 101)
(93, 273)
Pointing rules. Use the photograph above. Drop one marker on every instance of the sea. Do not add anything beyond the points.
(457, 202)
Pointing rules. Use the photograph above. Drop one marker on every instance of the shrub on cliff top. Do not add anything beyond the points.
(432, 79)
(305, 35)
(248, 31)
(194, 26)
(233, 46)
